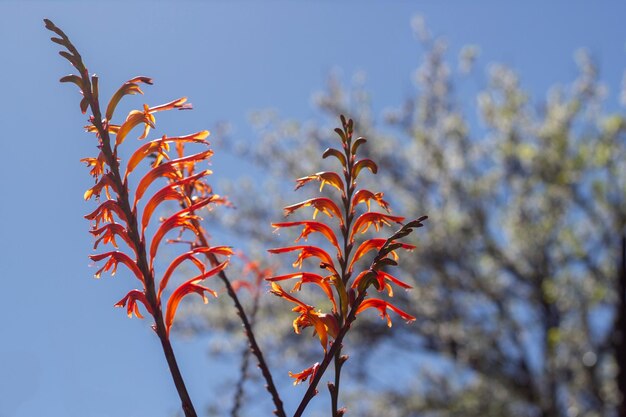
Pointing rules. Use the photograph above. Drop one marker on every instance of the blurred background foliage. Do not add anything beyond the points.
(516, 280)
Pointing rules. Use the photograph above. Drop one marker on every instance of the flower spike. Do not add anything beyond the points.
(346, 286)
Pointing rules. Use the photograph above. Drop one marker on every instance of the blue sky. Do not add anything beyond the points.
(66, 351)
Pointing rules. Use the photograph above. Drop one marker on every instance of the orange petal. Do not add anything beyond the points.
(104, 212)
(307, 252)
(166, 193)
(382, 306)
(312, 227)
(326, 177)
(380, 277)
(129, 87)
(174, 104)
(107, 233)
(135, 117)
(159, 146)
(372, 244)
(105, 183)
(183, 219)
(363, 163)
(130, 302)
(189, 287)
(115, 257)
(308, 277)
(323, 204)
(336, 153)
(170, 169)
(364, 196)
(365, 220)
(308, 373)
(217, 250)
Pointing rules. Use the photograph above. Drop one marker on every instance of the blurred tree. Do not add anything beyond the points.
(516, 290)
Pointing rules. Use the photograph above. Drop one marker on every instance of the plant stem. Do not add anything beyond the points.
(312, 390)
(254, 346)
(142, 263)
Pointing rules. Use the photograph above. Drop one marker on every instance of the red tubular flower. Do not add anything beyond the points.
(382, 306)
(130, 302)
(323, 204)
(307, 252)
(308, 373)
(311, 227)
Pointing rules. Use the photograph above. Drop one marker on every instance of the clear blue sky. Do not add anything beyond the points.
(64, 351)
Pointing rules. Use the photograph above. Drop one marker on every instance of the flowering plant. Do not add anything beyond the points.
(126, 215)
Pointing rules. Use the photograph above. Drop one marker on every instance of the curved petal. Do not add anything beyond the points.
(365, 220)
(382, 306)
(308, 373)
(105, 183)
(364, 196)
(323, 204)
(189, 287)
(326, 177)
(129, 87)
(104, 212)
(182, 218)
(168, 192)
(380, 277)
(170, 169)
(308, 277)
(312, 227)
(307, 252)
(160, 146)
(336, 153)
(218, 250)
(116, 257)
(364, 163)
(371, 244)
(130, 302)
(107, 233)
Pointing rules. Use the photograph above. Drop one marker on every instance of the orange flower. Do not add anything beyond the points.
(146, 117)
(365, 220)
(382, 306)
(189, 287)
(307, 252)
(308, 373)
(323, 204)
(364, 196)
(324, 324)
(311, 227)
(324, 178)
(130, 302)
(375, 243)
(308, 277)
